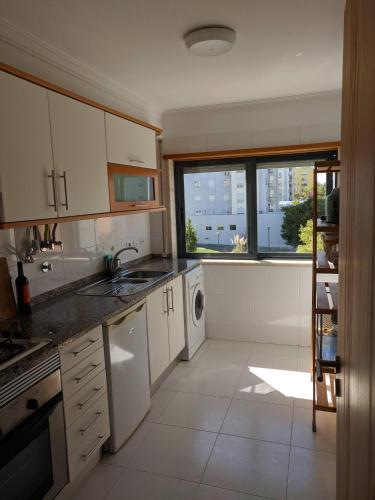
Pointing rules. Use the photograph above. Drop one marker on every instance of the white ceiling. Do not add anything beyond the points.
(283, 48)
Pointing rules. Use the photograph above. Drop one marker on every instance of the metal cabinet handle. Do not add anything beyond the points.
(90, 343)
(86, 456)
(91, 423)
(66, 205)
(94, 391)
(172, 306)
(93, 367)
(52, 177)
(135, 161)
(165, 292)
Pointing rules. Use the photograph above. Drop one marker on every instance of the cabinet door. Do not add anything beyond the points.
(176, 325)
(25, 151)
(157, 328)
(79, 151)
(129, 143)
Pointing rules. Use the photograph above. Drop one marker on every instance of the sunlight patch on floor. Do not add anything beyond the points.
(291, 384)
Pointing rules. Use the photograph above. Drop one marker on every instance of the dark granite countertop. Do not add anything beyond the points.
(64, 317)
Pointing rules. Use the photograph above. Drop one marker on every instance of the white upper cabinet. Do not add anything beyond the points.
(25, 151)
(129, 143)
(79, 151)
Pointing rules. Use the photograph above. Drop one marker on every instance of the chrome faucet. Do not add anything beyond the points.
(116, 262)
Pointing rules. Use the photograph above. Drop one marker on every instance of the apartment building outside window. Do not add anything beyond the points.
(246, 205)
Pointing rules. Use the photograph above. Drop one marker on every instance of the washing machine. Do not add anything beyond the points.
(195, 332)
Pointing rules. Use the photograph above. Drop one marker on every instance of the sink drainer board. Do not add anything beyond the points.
(126, 283)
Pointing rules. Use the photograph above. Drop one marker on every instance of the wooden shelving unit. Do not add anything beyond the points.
(324, 302)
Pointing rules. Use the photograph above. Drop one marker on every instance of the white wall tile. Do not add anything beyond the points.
(110, 233)
(320, 132)
(263, 303)
(156, 243)
(41, 282)
(85, 243)
(275, 282)
(7, 242)
(187, 144)
(78, 234)
(156, 222)
(275, 137)
(229, 140)
(240, 331)
(79, 263)
(275, 335)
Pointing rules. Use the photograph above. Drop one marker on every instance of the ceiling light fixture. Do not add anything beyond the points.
(210, 41)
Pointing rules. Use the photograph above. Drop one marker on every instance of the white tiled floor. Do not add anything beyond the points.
(232, 424)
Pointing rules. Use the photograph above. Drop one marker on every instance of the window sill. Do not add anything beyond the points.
(259, 263)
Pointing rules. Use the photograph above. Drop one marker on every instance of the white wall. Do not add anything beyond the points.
(259, 301)
(85, 243)
(256, 301)
(270, 123)
(28, 53)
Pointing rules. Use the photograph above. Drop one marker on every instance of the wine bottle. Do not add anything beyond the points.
(23, 291)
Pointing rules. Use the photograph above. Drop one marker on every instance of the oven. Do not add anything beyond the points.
(33, 463)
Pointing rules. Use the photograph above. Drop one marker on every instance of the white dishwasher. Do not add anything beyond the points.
(126, 352)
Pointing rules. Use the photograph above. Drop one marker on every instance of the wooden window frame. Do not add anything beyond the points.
(128, 206)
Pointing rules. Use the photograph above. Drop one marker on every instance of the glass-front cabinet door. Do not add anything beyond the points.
(133, 188)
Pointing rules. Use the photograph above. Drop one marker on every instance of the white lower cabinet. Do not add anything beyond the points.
(165, 326)
(85, 398)
(176, 324)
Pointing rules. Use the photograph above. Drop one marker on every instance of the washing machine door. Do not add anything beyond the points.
(197, 306)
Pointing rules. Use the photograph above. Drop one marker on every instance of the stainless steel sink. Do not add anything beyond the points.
(126, 283)
(146, 274)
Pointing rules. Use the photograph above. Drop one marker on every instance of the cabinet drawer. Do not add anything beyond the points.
(74, 352)
(77, 433)
(79, 375)
(92, 443)
(83, 399)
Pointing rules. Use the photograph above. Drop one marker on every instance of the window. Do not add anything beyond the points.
(216, 212)
(198, 197)
(257, 221)
(278, 209)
